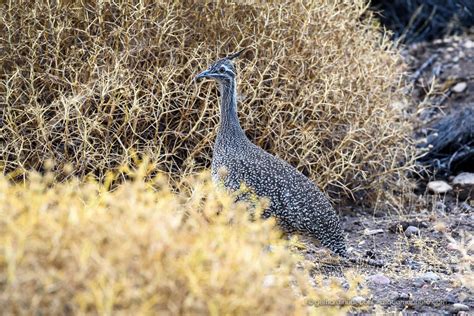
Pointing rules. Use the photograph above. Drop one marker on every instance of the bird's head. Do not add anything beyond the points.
(222, 71)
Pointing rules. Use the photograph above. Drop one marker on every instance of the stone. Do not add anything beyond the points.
(358, 300)
(411, 231)
(451, 298)
(418, 282)
(430, 277)
(403, 296)
(469, 44)
(344, 284)
(458, 307)
(369, 232)
(439, 187)
(460, 87)
(379, 279)
(463, 184)
(464, 178)
(452, 246)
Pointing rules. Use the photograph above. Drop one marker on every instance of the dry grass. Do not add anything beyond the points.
(77, 247)
(86, 83)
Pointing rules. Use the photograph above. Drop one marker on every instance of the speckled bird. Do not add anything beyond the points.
(295, 201)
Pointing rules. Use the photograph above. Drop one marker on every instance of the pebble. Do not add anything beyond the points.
(439, 187)
(464, 178)
(412, 230)
(358, 300)
(458, 307)
(418, 282)
(463, 183)
(379, 279)
(452, 246)
(451, 298)
(368, 232)
(460, 87)
(345, 285)
(430, 277)
(469, 44)
(403, 296)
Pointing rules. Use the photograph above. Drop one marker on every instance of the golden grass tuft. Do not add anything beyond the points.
(76, 247)
(87, 82)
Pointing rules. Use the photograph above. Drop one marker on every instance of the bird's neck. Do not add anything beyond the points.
(230, 128)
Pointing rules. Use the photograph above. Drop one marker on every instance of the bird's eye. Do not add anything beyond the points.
(222, 70)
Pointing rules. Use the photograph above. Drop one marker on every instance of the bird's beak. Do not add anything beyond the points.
(204, 74)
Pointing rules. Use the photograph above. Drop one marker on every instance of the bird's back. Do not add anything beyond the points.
(295, 200)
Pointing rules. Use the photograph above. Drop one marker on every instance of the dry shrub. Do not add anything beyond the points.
(465, 248)
(87, 82)
(76, 247)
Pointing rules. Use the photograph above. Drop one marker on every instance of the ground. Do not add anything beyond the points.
(409, 258)
(425, 271)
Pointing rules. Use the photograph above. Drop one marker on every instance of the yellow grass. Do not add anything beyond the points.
(77, 247)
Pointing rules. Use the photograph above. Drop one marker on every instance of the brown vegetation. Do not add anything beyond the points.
(88, 83)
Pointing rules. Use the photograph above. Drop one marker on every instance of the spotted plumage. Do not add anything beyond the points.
(295, 201)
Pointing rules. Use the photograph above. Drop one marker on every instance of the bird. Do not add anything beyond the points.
(294, 200)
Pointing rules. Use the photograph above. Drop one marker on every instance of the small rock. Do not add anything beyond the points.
(464, 185)
(401, 226)
(452, 246)
(464, 178)
(412, 230)
(345, 285)
(358, 300)
(379, 279)
(403, 296)
(439, 187)
(458, 307)
(368, 232)
(451, 298)
(418, 282)
(460, 87)
(469, 44)
(430, 277)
